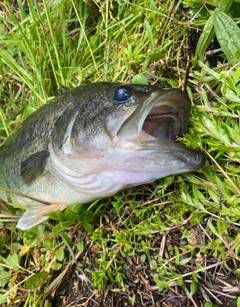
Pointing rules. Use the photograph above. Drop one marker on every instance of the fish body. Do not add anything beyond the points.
(93, 141)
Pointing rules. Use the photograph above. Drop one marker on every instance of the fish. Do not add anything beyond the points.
(92, 141)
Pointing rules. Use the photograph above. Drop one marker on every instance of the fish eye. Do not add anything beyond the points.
(122, 94)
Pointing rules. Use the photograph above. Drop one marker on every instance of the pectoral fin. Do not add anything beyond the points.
(34, 216)
(34, 166)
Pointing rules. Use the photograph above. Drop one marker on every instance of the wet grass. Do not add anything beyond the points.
(175, 241)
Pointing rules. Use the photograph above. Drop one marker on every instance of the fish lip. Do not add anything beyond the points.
(194, 158)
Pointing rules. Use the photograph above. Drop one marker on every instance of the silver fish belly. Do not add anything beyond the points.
(93, 141)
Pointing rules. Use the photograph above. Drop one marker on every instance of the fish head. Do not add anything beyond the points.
(125, 134)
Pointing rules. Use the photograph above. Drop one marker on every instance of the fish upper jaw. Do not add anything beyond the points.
(163, 115)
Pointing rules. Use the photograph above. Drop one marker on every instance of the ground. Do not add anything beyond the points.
(217, 285)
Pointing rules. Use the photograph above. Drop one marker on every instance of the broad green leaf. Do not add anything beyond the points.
(36, 280)
(139, 79)
(231, 96)
(213, 193)
(59, 254)
(102, 262)
(228, 35)
(33, 236)
(195, 277)
(156, 57)
(61, 226)
(208, 30)
(180, 281)
(205, 39)
(3, 298)
(193, 287)
(212, 228)
(56, 266)
(184, 261)
(191, 3)
(222, 226)
(87, 226)
(80, 246)
(160, 283)
(4, 277)
(224, 5)
(153, 264)
(12, 261)
(57, 215)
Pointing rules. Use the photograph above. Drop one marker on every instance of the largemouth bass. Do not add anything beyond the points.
(93, 141)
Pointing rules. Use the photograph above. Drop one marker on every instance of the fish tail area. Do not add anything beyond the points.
(34, 215)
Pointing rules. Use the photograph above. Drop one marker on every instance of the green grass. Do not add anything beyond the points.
(182, 230)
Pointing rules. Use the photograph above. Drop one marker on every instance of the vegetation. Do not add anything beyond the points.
(175, 241)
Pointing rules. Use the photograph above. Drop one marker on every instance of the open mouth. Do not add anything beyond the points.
(163, 116)
(162, 123)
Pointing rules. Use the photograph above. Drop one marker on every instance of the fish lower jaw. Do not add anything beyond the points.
(90, 187)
